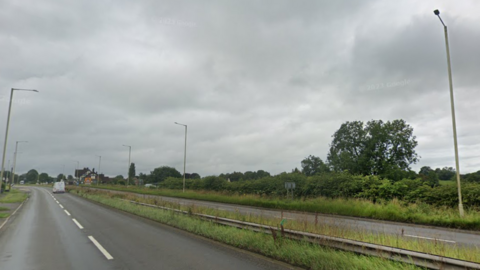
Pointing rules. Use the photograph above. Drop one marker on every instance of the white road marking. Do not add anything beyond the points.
(78, 224)
(428, 238)
(61, 206)
(66, 212)
(103, 250)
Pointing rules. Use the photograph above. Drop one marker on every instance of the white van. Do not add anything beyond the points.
(59, 187)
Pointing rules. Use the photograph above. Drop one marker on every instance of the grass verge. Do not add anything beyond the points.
(14, 196)
(293, 252)
(467, 253)
(394, 210)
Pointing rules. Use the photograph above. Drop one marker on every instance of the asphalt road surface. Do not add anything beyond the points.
(62, 231)
(411, 231)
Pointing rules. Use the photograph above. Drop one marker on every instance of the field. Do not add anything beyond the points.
(391, 210)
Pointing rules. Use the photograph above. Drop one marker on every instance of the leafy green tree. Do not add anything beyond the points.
(446, 173)
(161, 173)
(192, 176)
(60, 177)
(262, 174)
(373, 148)
(431, 179)
(32, 176)
(131, 171)
(70, 177)
(43, 177)
(425, 170)
(312, 165)
(472, 177)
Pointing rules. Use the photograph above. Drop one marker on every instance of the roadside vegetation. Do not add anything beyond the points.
(398, 241)
(378, 206)
(3, 215)
(293, 252)
(14, 196)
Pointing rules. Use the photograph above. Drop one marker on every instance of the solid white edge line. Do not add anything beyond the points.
(103, 250)
(66, 212)
(428, 238)
(61, 206)
(78, 224)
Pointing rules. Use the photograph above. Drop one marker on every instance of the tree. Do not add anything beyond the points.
(374, 148)
(425, 170)
(431, 178)
(262, 174)
(131, 171)
(70, 177)
(43, 177)
(60, 177)
(32, 176)
(161, 173)
(312, 165)
(192, 176)
(446, 173)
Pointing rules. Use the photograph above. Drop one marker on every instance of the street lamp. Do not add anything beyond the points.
(76, 170)
(128, 171)
(98, 170)
(460, 204)
(15, 159)
(6, 131)
(184, 155)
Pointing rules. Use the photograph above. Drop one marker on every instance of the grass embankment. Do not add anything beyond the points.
(293, 252)
(3, 215)
(14, 196)
(394, 210)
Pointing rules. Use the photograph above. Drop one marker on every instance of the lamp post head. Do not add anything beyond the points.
(22, 89)
(436, 12)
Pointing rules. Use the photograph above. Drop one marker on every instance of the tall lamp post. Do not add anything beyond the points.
(15, 159)
(184, 155)
(129, 155)
(460, 204)
(76, 170)
(98, 170)
(6, 131)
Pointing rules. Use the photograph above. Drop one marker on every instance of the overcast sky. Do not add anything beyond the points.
(260, 84)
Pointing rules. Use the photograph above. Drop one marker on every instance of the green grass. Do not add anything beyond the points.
(14, 196)
(4, 215)
(4, 208)
(447, 183)
(293, 252)
(394, 210)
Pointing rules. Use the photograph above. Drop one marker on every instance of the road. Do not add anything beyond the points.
(427, 233)
(62, 231)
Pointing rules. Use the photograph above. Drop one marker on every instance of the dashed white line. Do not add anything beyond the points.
(428, 238)
(103, 250)
(78, 224)
(66, 212)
